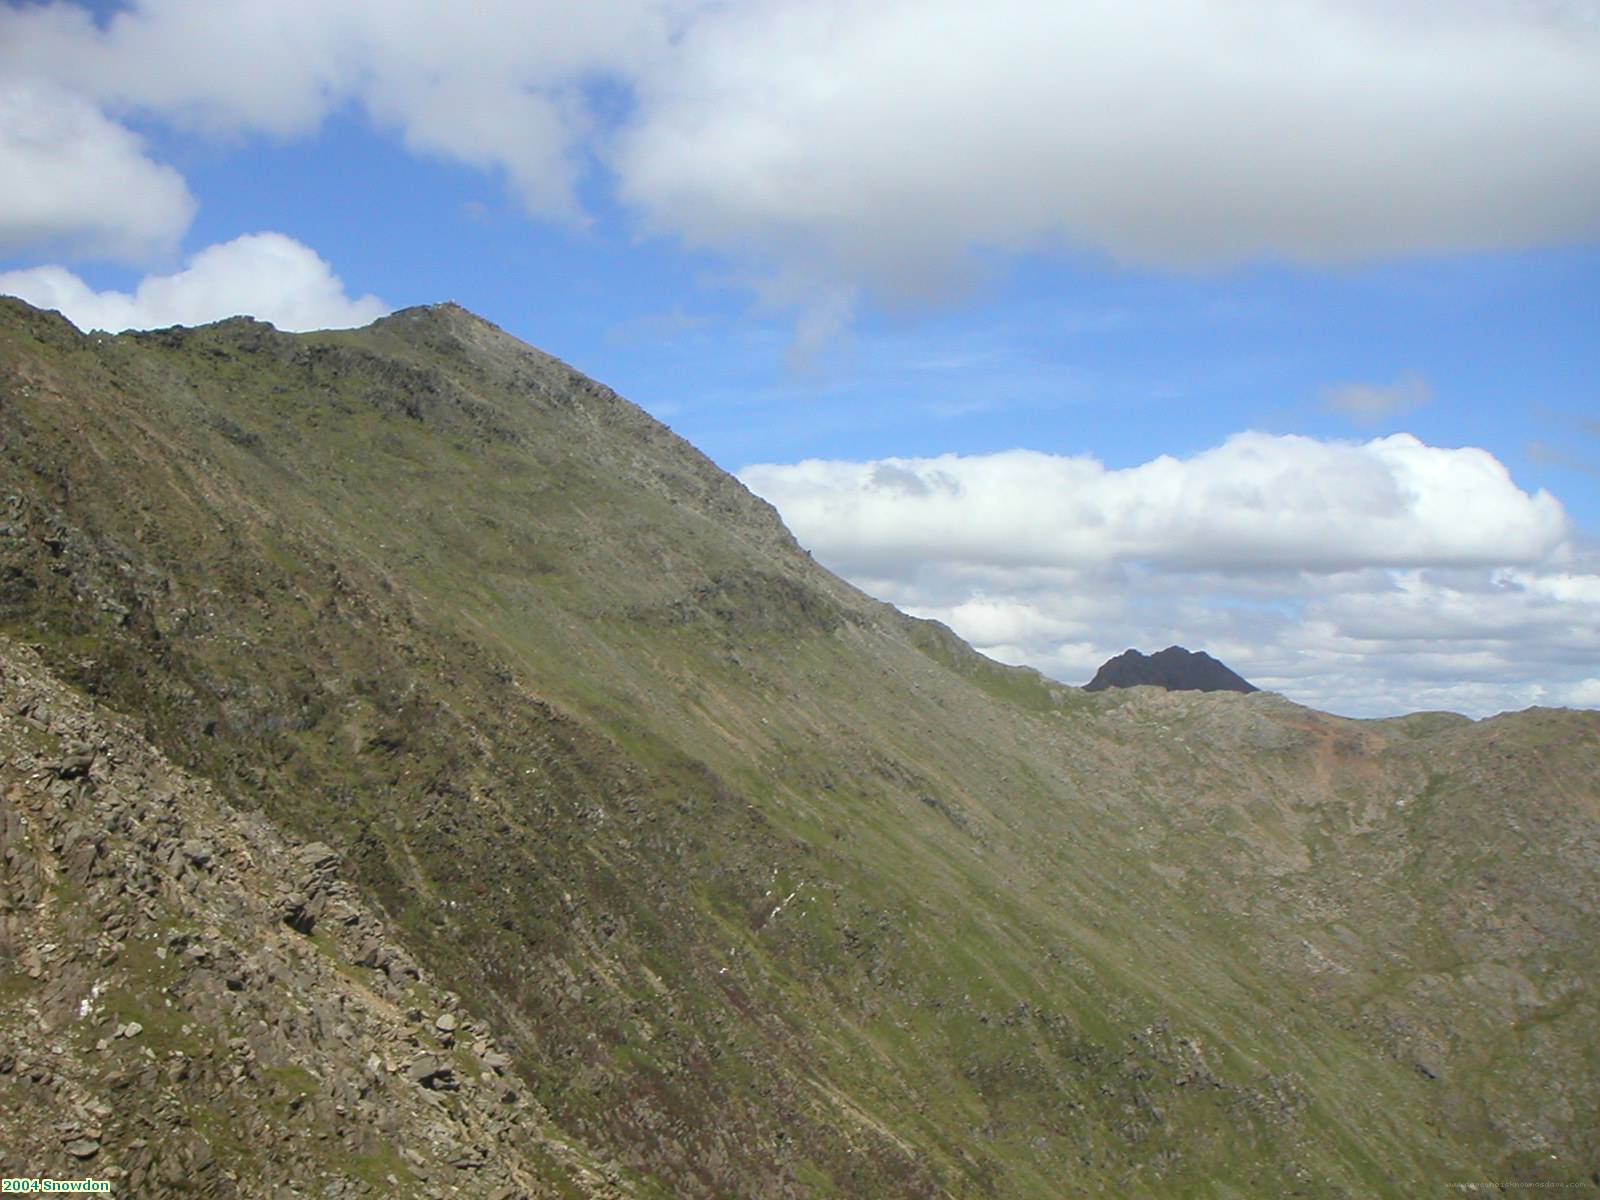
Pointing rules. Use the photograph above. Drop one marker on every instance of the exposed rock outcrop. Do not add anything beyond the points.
(206, 1009)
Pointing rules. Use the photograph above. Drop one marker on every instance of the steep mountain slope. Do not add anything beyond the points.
(1176, 669)
(200, 1006)
(764, 888)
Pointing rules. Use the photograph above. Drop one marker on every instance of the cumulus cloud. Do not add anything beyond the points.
(499, 85)
(882, 139)
(265, 275)
(1370, 403)
(836, 144)
(1256, 501)
(1366, 578)
(73, 177)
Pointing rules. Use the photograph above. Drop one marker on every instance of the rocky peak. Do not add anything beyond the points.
(1176, 669)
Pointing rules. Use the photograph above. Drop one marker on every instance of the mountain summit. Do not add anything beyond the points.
(422, 773)
(1176, 669)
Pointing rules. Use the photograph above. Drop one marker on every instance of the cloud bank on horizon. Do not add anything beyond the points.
(841, 154)
(1366, 578)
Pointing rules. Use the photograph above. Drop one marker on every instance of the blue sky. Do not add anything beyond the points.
(1298, 300)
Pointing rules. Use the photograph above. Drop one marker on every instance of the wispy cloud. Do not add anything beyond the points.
(1543, 451)
(674, 323)
(1372, 403)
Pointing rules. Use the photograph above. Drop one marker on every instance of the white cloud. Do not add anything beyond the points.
(1257, 501)
(265, 275)
(496, 85)
(835, 144)
(880, 140)
(1369, 403)
(1366, 578)
(75, 178)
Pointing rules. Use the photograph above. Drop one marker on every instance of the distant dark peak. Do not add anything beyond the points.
(1176, 669)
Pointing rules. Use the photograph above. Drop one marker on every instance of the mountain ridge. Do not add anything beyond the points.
(763, 887)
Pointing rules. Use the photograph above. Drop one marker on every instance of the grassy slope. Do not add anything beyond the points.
(777, 891)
